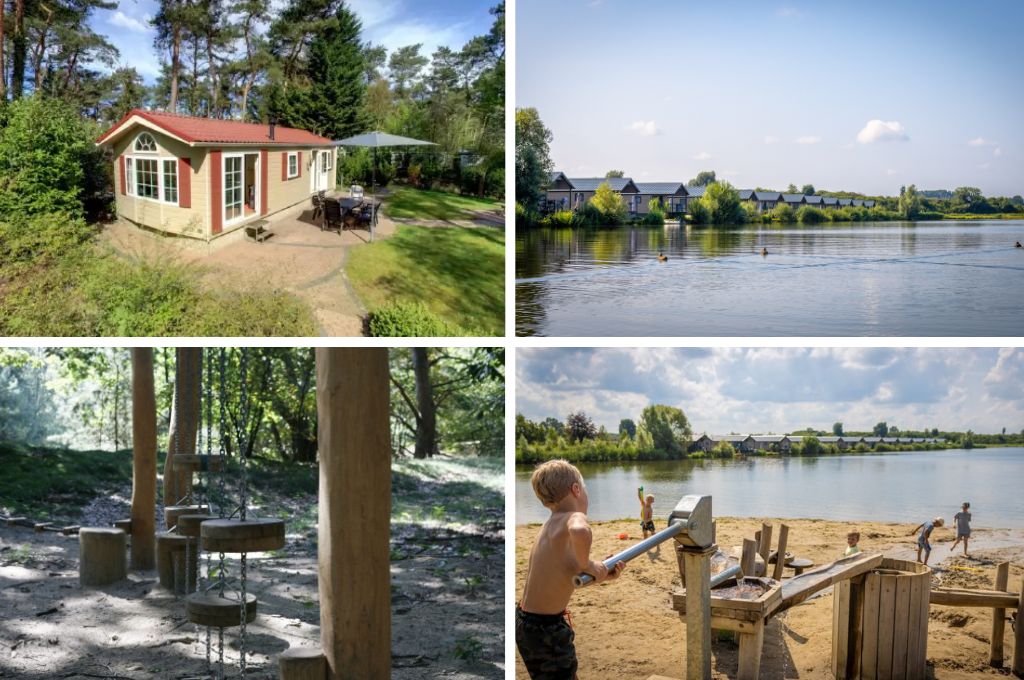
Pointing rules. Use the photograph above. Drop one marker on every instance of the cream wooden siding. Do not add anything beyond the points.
(194, 221)
(286, 193)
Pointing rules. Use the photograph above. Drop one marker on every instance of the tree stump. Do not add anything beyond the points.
(302, 663)
(102, 556)
(170, 562)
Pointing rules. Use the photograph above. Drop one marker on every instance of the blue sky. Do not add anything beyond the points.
(779, 390)
(392, 23)
(768, 93)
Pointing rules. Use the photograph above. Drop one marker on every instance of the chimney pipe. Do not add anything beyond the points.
(272, 126)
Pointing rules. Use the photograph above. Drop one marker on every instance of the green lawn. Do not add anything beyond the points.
(458, 273)
(435, 205)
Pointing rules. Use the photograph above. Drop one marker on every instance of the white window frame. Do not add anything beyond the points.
(330, 160)
(135, 144)
(292, 155)
(131, 173)
(242, 217)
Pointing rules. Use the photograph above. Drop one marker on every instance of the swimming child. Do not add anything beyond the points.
(922, 538)
(544, 634)
(647, 516)
(962, 520)
(852, 539)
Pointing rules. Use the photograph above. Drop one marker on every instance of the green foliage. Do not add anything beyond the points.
(408, 320)
(703, 178)
(881, 429)
(699, 213)
(579, 426)
(533, 161)
(811, 446)
(722, 203)
(837, 429)
(669, 429)
(609, 204)
(627, 427)
(457, 273)
(723, 450)
(807, 214)
(910, 203)
(783, 213)
(48, 161)
(366, 168)
(655, 215)
(807, 190)
(436, 205)
(560, 218)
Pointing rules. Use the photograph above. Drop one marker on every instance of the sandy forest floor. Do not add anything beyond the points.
(447, 596)
(627, 628)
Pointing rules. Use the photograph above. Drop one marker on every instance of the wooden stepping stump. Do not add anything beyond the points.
(210, 609)
(302, 663)
(188, 525)
(124, 525)
(170, 562)
(192, 462)
(237, 536)
(173, 512)
(102, 556)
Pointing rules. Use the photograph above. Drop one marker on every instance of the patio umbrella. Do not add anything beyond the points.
(375, 140)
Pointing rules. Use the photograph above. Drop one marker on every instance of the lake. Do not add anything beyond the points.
(885, 487)
(884, 279)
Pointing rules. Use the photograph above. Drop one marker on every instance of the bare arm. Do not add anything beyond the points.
(581, 538)
(914, 530)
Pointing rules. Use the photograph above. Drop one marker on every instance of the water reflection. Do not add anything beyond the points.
(945, 278)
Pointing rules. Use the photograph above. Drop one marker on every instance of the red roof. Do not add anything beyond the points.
(216, 131)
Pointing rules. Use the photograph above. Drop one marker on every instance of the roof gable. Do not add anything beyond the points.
(767, 195)
(202, 131)
(623, 185)
(661, 188)
(793, 198)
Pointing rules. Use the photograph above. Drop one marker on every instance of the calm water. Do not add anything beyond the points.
(923, 279)
(894, 487)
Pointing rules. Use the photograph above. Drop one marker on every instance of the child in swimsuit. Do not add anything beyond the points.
(544, 634)
(962, 520)
(922, 538)
(647, 515)
(852, 539)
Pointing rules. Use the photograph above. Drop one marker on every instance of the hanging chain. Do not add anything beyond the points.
(244, 433)
(241, 642)
(220, 650)
(223, 430)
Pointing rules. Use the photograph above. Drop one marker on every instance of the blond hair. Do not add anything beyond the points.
(553, 480)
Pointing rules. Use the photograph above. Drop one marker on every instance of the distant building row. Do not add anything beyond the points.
(570, 193)
(747, 443)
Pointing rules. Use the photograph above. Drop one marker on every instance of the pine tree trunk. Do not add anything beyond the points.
(19, 49)
(3, 48)
(426, 425)
(175, 65)
(181, 435)
(143, 552)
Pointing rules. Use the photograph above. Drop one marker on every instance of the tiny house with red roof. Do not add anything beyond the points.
(204, 177)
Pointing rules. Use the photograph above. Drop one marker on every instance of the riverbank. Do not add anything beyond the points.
(628, 629)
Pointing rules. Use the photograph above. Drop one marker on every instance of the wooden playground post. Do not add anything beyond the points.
(1018, 636)
(748, 557)
(188, 364)
(143, 544)
(355, 511)
(764, 547)
(780, 556)
(995, 656)
(697, 567)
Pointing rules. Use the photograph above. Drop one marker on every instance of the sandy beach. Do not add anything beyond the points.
(627, 629)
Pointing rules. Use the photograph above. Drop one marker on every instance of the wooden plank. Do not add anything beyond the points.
(917, 633)
(799, 588)
(1018, 637)
(901, 630)
(886, 625)
(995, 651)
(764, 548)
(972, 598)
(751, 646)
(698, 615)
(856, 628)
(747, 557)
(781, 559)
(840, 628)
(869, 650)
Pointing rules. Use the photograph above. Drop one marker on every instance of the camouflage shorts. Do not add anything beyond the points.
(545, 641)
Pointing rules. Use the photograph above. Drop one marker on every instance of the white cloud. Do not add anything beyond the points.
(644, 128)
(702, 156)
(980, 141)
(998, 151)
(121, 19)
(808, 139)
(882, 131)
(771, 139)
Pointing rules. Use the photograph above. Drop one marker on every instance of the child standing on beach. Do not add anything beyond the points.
(647, 516)
(852, 539)
(922, 538)
(544, 635)
(962, 520)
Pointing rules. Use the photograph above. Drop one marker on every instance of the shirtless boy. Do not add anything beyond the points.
(544, 636)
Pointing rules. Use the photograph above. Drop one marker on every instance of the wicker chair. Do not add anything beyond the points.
(332, 216)
(318, 206)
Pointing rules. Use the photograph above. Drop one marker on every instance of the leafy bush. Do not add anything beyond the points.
(356, 166)
(48, 162)
(810, 215)
(925, 216)
(655, 214)
(560, 218)
(699, 213)
(723, 450)
(609, 204)
(783, 213)
(408, 319)
(723, 204)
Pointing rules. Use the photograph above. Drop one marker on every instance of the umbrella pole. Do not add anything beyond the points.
(373, 195)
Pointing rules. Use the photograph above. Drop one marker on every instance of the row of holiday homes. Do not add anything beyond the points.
(571, 193)
(746, 443)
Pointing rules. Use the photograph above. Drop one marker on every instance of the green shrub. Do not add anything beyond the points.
(783, 213)
(560, 218)
(810, 215)
(926, 216)
(841, 215)
(408, 319)
(48, 162)
(356, 166)
(722, 202)
(699, 214)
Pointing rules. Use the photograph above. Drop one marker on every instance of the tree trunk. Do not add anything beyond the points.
(20, 46)
(3, 47)
(212, 67)
(355, 511)
(143, 553)
(181, 436)
(40, 51)
(426, 424)
(175, 65)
